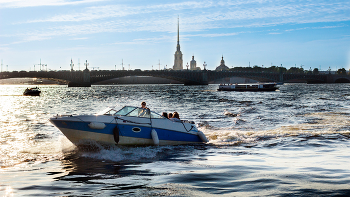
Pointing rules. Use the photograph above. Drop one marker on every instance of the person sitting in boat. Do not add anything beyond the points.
(143, 105)
(144, 111)
(170, 115)
(165, 114)
(176, 117)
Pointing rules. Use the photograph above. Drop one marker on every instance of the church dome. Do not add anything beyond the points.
(222, 65)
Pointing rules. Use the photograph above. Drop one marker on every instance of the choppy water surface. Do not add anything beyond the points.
(294, 141)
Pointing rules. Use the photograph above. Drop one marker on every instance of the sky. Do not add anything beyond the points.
(143, 34)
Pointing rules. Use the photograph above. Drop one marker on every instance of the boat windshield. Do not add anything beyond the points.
(107, 111)
(125, 110)
(135, 112)
(111, 111)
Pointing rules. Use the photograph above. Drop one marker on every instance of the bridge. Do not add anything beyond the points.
(188, 77)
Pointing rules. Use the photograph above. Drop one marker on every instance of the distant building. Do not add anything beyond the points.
(193, 64)
(328, 72)
(222, 66)
(178, 62)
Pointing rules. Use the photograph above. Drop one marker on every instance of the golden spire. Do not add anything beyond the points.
(178, 36)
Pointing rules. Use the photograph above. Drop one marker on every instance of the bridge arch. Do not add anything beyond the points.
(261, 77)
(52, 76)
(342, 80)
(138, 80)
(184, 76)
(240, 78)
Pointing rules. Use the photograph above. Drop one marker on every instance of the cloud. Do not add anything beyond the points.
(214, 35)
(148, 40)
(121, 10)
(319, 27)
(32, 37)
(82, 38)
(4, 48)
(37, 3)
(195, 16)
(210, 11)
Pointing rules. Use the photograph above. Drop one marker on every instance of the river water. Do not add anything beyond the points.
(295, 141)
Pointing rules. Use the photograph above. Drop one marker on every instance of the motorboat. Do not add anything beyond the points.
(32, 92)
(128, 126)
(248, 87)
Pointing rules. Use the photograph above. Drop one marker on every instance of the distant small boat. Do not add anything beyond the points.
(248, 87)
(32, 92)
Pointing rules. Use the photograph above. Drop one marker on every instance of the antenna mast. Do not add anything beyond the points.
(159, 64)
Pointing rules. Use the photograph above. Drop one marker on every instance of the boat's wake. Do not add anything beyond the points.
(94, 150)
(35, 152)
(318, 124)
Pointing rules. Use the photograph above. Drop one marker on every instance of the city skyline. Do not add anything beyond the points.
(290, 33)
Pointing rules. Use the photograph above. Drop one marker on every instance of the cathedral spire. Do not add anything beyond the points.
(178, 62)
(178, 34)
(178, 30)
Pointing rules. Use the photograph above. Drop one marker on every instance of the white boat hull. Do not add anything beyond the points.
(128, 130)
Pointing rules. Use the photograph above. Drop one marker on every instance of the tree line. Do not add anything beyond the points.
(277, 69)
